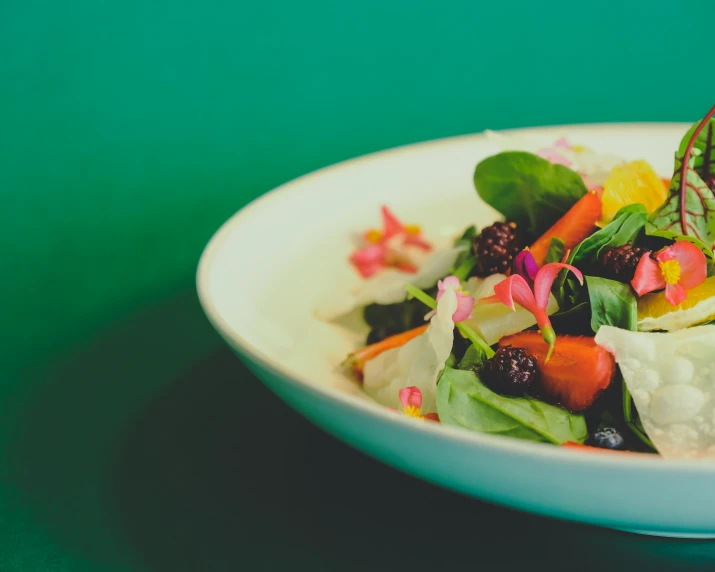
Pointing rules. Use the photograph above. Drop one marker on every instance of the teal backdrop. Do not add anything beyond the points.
(129, 130)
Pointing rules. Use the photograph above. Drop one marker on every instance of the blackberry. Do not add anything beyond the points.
(607, 438)
(495, 248)
(511, 371)
(620, 263)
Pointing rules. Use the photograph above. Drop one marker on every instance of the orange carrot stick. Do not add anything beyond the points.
(357, 359)
(577, 224)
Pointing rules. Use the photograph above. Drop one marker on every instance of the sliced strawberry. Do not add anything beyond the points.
(357, 359)
(577, 372)
(576, 225)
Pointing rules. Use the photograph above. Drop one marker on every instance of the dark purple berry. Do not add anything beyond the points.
(607, 438)
(495, 248)
(620, 263)
(511, 372)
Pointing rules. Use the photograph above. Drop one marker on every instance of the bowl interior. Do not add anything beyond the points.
(268, 268)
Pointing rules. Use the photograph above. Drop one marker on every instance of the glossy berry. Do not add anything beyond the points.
(495, 248)
(511, 372)
(378, 334)
(620, 263)
(607, 438)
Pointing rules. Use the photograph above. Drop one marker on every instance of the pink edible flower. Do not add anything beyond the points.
(465, 302)
(677, 268)
(386, 248)
(553, 155)
(516, 289)
(411, 399)
(526, 267)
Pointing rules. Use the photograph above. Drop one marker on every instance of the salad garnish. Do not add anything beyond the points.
(517, 289)
(392, 247)
(411, 400)
(585, 318)
(690, 207)
(677, 269)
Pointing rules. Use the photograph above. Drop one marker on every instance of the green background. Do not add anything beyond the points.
(130, 439)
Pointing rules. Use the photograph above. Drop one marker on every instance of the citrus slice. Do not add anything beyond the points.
(656, 313)
(634, 182)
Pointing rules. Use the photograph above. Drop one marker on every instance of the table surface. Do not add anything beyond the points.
(130, 437)
(127, 461)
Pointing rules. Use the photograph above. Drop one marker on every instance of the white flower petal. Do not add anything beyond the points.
(418, 363)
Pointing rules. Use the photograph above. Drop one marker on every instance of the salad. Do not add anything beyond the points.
(582, 319)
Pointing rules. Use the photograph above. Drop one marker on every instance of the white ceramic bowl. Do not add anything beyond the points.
(267, 268)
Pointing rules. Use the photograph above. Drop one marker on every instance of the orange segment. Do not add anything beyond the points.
(656, 313)
(634, 182)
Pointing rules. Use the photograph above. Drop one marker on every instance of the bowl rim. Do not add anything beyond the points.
(534, 450)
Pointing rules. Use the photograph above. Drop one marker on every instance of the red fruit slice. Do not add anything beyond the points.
(576, 225)
(577, 372)
(356, 360)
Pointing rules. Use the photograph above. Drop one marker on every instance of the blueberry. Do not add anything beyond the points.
(378, 334)
(607, 438)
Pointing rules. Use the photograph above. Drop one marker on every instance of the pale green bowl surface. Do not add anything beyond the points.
(268, 267)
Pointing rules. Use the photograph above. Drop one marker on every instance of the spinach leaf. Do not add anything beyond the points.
(612, 304)
(623, 229)
(527, 189)
(473, 359)
(463, 400)
(556, 250)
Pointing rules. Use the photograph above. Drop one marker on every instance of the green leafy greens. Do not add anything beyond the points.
(623, 229)
(556, 250)
(689, 210)
(463, 400)
(529, 190)
(612, 304)
(465, 261)
(704, 142)
(395, 318)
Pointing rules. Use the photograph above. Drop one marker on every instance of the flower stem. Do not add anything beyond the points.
(549, 336)
(466, 331)
(476, 339)
(421, 295)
